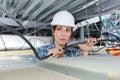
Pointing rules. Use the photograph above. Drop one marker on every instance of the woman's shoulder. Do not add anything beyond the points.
(50, 45)
(72, 51)
(72, 48)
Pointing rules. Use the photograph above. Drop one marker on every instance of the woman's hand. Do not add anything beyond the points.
(57, 52)
(86, 47)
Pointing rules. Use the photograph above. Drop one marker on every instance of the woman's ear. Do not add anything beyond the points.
(53, 32)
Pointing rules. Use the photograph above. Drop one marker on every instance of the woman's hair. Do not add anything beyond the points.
(54, 28)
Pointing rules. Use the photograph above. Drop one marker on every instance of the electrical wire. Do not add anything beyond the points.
(31, 39)
(74, 44)
(19, 34)
(10, 16)
(98, 49)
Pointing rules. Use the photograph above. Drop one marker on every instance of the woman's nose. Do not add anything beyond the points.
(63, 33)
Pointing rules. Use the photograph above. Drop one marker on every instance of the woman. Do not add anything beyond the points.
(62, 28)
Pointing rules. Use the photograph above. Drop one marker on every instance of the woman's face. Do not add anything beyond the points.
(62, 34)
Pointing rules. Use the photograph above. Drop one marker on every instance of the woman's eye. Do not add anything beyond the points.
(58, 29)
(68, 30)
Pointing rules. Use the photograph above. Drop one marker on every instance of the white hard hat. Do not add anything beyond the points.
(64, 18)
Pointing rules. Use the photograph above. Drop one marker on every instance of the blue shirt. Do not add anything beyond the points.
(69, 51)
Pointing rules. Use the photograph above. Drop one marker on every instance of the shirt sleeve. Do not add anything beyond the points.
(42, 51)
(72, 52)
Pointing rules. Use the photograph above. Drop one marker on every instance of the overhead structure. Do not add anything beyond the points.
(37, 14)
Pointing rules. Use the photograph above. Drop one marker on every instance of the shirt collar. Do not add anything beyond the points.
(67, 48)
(52, 45)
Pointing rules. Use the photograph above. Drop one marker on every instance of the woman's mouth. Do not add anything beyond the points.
(62, 39)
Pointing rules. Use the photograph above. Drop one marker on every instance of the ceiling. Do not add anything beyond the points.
(37, 14)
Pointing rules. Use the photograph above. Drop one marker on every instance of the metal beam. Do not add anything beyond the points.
(41, 9)
(93, 20)
(27, 24)
(4, 4)
(10, 16)
(61, 4)
(68, 7)
(84, 6)
(30, 8)
(19, 7)
(8, 21)
(98, 9)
